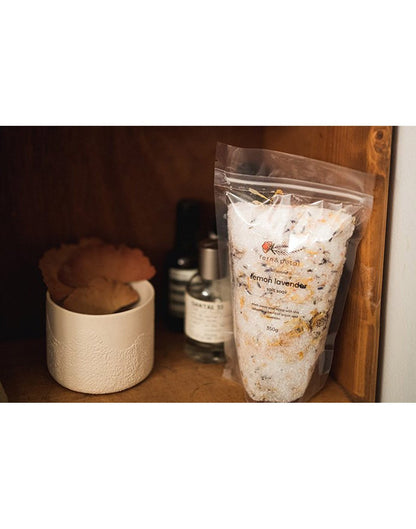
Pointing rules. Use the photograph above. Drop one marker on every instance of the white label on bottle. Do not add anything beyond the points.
(182, 275)
(178, 279)
(204, 320)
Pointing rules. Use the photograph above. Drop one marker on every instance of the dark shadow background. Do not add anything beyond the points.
(58, 184)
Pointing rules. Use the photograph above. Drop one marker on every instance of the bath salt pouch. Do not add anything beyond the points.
(288, 230)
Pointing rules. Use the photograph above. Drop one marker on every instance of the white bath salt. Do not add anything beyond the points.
(286, 264)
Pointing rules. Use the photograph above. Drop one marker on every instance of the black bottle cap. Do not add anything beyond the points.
(187, 210)
(187, 220)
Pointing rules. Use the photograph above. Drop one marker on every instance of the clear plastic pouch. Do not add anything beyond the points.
(288, 230)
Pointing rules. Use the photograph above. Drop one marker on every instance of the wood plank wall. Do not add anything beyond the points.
(365, 149)
(58, 184)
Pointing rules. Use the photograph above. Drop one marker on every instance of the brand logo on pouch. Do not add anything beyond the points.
(269, 246)
(277, 249)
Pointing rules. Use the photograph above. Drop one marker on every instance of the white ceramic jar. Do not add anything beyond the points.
(101, 353)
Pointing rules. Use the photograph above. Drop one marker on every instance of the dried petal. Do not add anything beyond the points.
(101, 296)
(122, 264)
(53, 259)
(49, 264)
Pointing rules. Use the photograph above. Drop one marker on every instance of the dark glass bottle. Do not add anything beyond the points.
(182, 261)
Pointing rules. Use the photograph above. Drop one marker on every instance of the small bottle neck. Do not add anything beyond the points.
(187, 226)
(186, 244)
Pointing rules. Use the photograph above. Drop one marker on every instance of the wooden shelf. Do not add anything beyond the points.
(175, 378)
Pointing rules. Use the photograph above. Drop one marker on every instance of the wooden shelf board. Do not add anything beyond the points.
(175, 378)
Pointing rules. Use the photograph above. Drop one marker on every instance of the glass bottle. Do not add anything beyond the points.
(205, 310)
(182, 260)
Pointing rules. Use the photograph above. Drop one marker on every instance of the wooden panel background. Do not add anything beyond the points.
(122, 183)
(58, 184)
(365, 149)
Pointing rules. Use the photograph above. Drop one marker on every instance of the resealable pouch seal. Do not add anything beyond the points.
(288, 229)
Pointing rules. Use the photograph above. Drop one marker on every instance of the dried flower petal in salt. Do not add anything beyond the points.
(120, 263)
(101, 296)
(286, 266)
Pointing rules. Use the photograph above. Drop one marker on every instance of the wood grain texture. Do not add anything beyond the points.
(175, 378)
(58, 184)
(360, 329)
(365, 149)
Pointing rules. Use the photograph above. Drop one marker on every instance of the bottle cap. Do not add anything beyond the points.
(187, 220)
(188, 210)
(208, 259)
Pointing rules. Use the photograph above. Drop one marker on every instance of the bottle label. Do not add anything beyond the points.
(204, 320)
(178, 279)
